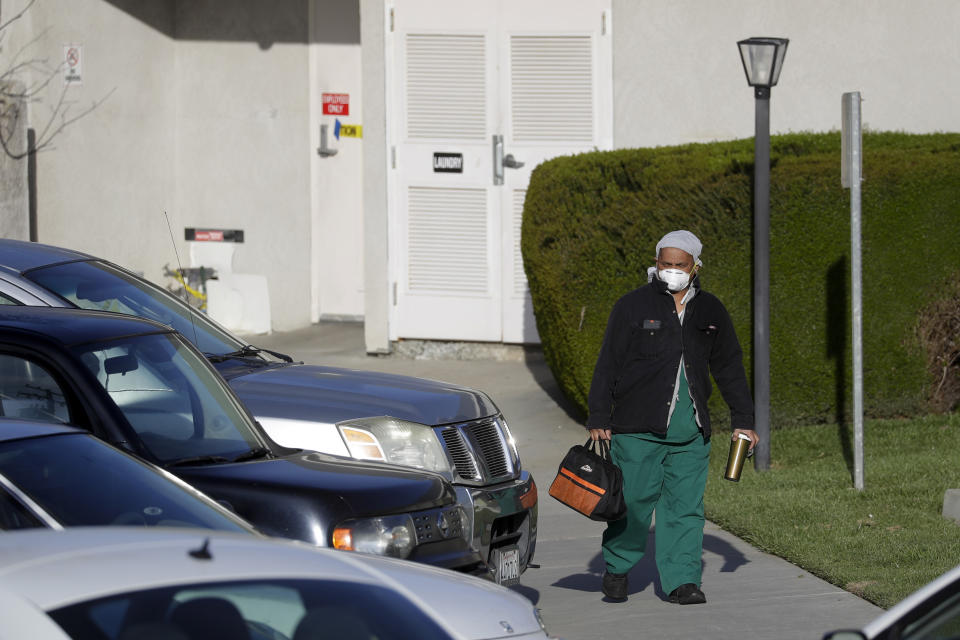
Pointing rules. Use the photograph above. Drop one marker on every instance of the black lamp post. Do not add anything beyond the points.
(762, 62)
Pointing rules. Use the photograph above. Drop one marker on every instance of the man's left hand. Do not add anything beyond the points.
(750, 433)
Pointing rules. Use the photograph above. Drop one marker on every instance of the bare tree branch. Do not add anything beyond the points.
(16, 93)
(17, 16)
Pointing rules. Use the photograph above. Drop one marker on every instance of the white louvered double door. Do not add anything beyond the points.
(531, 75)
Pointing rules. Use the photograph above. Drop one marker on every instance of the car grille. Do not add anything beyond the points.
(479, 451)
(438, 524)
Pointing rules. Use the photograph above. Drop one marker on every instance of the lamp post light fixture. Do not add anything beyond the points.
(762, 61)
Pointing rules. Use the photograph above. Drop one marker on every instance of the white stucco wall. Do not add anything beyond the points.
(337, 212)
(207, 117)
(104, 182)
(678, 76)
(243, 149)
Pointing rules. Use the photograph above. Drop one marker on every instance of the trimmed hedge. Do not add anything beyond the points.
(591, 222)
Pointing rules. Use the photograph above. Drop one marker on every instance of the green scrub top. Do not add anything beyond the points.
(683, 422)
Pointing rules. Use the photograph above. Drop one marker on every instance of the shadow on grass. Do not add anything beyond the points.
(838, 322)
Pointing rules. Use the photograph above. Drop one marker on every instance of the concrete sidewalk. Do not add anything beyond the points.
(750, 594)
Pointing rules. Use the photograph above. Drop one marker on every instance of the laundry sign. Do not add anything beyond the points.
(447, 162)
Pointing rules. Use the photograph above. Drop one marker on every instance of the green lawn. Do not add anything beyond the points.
(881, 543)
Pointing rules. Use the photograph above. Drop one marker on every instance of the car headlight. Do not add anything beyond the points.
(386, 536)
(400, 442)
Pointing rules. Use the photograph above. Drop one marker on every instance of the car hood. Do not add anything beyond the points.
(367, 489)
(329, 394)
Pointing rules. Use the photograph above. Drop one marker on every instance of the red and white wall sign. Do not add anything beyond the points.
(208, 236)
(336, 104)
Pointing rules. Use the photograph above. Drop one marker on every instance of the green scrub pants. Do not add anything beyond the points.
(670, 478)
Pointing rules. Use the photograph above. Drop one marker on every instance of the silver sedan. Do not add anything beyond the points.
(117, 583)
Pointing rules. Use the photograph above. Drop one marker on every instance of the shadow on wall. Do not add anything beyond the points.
(266, 23)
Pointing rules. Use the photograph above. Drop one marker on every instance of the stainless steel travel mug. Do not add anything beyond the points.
(738, 453)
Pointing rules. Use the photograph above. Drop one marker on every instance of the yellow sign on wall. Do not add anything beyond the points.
(351, 131)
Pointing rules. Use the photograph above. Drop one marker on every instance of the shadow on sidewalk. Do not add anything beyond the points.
(537, 365)
(644, 574)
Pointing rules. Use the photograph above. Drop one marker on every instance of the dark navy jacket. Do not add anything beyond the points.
(633, 382)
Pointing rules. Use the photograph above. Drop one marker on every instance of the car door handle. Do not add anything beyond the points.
(511, 163)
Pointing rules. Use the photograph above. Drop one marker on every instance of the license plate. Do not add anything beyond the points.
(507, 563)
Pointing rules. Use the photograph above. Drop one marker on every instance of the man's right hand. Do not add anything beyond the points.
(599, 434)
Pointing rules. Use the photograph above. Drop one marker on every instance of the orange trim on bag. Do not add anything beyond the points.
(573, 495)
(580, 480)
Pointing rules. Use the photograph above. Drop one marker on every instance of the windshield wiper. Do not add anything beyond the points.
(248, 351)
(253, 454)
(197, 460)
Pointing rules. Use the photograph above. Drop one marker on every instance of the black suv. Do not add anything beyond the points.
(141, 387)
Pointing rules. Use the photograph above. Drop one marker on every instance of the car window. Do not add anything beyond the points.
(14, 515)
(101, 286)
(277, 609)
(80, 481)
(27, 390)
(178, 406)
(942, 622)
(5, 299)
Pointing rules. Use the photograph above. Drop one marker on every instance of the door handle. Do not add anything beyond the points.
(510, 162)
(497, 159)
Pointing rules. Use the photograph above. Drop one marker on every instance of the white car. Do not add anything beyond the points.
(932, 612)
(114, 583)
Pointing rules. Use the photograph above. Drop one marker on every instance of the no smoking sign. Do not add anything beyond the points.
(72, 64)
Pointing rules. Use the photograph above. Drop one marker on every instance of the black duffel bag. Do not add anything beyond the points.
(589, 482)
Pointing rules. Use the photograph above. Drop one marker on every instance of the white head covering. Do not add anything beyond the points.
(683, 240)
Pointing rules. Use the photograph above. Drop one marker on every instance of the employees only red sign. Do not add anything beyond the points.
(336, 104)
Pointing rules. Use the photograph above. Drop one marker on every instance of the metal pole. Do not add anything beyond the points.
(854, 163)
(761, 276)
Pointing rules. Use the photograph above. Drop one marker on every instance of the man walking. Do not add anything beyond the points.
(649, 397)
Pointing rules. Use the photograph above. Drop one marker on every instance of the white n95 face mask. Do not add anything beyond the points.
(676, 279)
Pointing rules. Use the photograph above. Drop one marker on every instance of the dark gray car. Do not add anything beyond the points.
(56, 476)
(445, 428)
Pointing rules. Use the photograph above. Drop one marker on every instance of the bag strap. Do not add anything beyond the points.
(602, 449)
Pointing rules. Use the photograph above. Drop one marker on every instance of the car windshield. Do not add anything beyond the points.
(101, 286)
(177, 405)
(257, 609)
(80, 481)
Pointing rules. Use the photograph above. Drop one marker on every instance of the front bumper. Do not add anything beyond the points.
(502, 515)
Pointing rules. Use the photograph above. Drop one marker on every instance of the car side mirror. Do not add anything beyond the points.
(844, 634)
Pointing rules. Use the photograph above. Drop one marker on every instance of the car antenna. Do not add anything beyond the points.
(203, 553)
(196, 339)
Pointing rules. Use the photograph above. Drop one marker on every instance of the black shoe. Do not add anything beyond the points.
(687, 594)
(615, 585)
